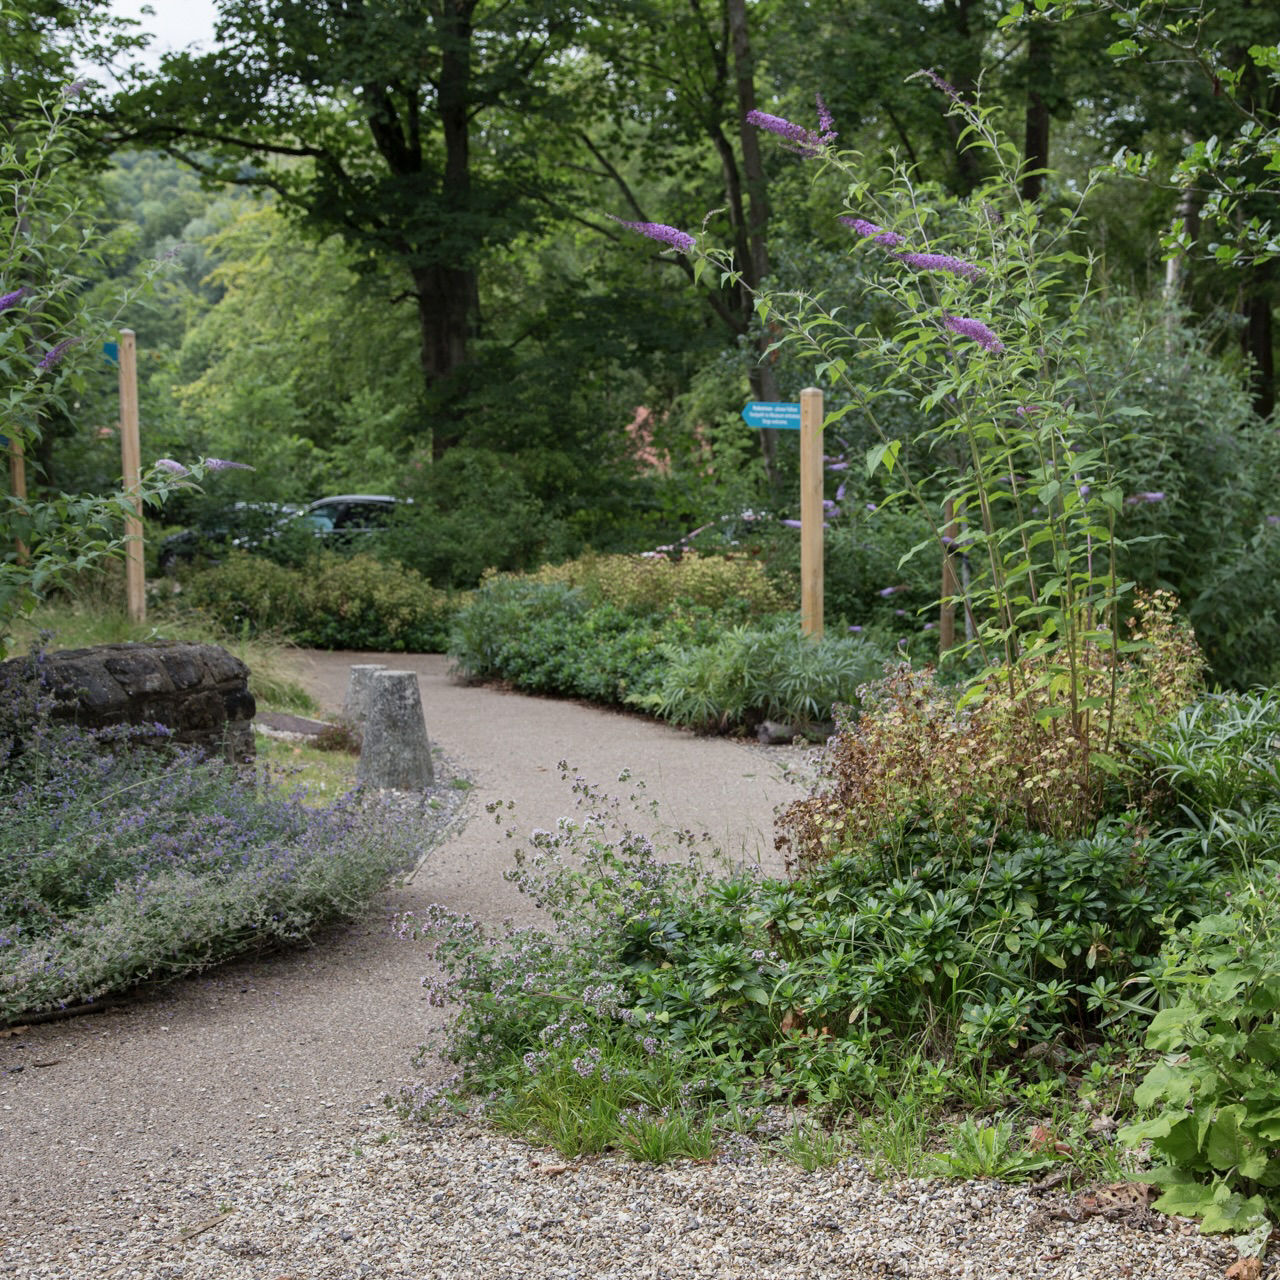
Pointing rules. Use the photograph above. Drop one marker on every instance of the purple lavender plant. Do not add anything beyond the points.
(967, 327)
(664, 234)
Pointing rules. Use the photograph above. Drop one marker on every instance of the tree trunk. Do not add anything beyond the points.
(444, 297)
(1035, 149)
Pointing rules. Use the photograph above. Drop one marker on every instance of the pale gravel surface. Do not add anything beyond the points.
(230, 1127)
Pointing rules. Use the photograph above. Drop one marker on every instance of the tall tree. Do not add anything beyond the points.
(408, 127)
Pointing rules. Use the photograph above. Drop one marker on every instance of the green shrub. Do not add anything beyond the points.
(770, 671)
(1216, 1087)
(332, 602)
(730, 585)
(546, 637)
(958, 952)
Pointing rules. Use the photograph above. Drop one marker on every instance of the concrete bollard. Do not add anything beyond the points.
(395, 754)
(355, 706)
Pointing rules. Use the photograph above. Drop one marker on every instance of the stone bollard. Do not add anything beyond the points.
(355, 707)
(395, 754)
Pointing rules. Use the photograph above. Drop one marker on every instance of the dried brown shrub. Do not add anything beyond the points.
(1015, 752)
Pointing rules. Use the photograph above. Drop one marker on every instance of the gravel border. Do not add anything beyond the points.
(393, 1201)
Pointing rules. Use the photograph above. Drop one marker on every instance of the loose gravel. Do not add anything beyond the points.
(393, 1201)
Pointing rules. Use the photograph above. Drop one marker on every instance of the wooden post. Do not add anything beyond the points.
(950, 587)
(131, 466)
(18, 484)
(811, 512)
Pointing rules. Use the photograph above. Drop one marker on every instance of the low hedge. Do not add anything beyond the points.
(331, 602)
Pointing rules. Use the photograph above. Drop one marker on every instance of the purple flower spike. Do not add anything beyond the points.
(939, 83)
(12, 299)
(54, 354)
(1141, 499)
(837, 466)
(855, 630)
(799, 139)
(74, 89)
(840, 493)
(826, 124)
(664, 234)
(975, 329)
(1273, 519)
(864, 228)
(891, 591)
(791, 524)
(223, 464)
(940, 262)
(174, 468)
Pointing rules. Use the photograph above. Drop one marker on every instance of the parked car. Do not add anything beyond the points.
(348, 516)
(242, 524)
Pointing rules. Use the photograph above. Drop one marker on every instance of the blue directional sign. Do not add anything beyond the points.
(112, 351)
(777, 415)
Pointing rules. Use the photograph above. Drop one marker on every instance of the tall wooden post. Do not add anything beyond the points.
(131, 466)
(18, 483)
(811, 512)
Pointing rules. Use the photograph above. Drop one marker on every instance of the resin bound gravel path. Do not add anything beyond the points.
(231, 1125)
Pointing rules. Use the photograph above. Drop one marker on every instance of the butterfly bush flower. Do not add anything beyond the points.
(880, 236)
(1142, 499)
(975, 329)
(940, 262)
(664, 234)
(224, 464)
(174, 468)
(799, 139)
(12, 299)
(55, 354)
(939, 83)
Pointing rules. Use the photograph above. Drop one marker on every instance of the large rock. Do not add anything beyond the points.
(198, 691)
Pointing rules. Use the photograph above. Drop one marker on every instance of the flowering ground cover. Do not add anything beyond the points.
(120, 866)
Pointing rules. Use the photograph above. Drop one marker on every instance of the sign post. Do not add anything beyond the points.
(18, 483)
(811, 512)
(805, 417)
(131, 467)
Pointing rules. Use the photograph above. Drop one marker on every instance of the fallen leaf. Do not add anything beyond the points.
(13, 1031)
(1245, 1269)
(555, 1168)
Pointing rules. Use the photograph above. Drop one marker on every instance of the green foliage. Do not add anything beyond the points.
(691, 666)
(916, 759)
(982, 335)
(988, 1151)
(1215, 1085)
(331, 602)
(47, 338)
(767, 671)
(1214, 769)
(909, 969)
(657, 583)
(547, 638)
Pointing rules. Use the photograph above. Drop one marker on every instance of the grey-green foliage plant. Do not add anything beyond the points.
(44, 332)
(1009, 458)
(751, 673)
